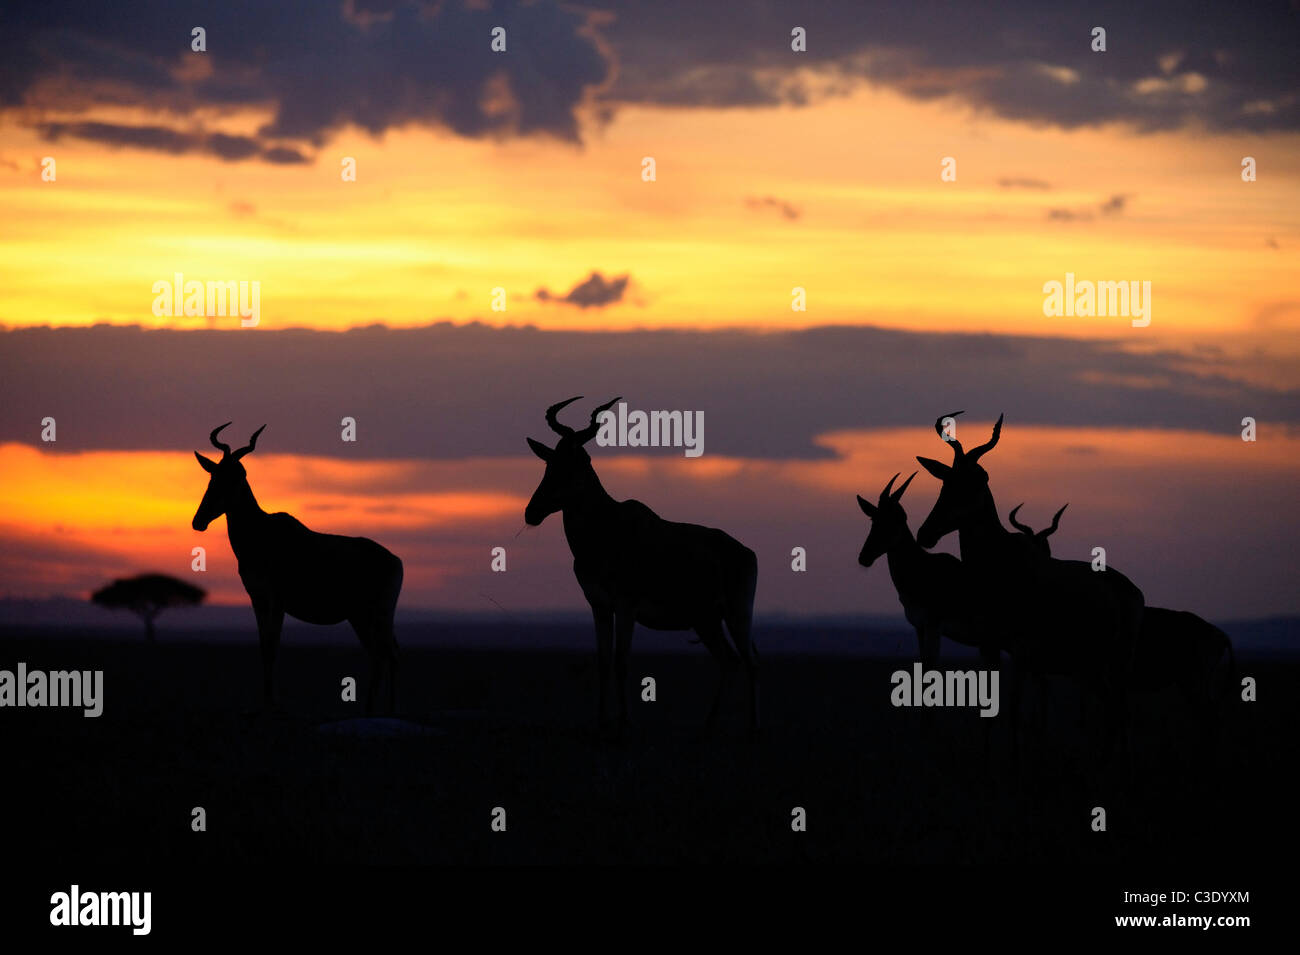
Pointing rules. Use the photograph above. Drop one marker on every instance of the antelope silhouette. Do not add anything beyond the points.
(1180, 649)
(1039, 538)
(1043, 548)
(316, 578)
(1176, 648)
(635, 567)
(931, 587)
(1054, 616)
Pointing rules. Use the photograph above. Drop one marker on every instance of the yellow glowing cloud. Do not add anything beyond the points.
(433, 224)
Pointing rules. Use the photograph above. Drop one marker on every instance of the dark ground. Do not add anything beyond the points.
(515, 729)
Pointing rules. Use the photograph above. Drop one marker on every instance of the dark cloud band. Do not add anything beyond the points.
(457, 391)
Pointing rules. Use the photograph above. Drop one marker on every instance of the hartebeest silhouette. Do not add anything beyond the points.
(635, 567)
(1180, 649)
(1043, 547)
(1175, 648)
(1040, 537)
(931, 587)
(1054, 616)
(316, 578)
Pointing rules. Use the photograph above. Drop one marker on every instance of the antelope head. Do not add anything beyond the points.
(888, 521)
(1040, 538)
(569, 475)
(965, 485)
(228, 479)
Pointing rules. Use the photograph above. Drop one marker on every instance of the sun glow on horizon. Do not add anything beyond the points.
(69, 522)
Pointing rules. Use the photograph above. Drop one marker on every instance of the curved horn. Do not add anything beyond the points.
(899, 493)
(1023, 528)
(997, 433)
(252, 443)
(938, 427)
(889, 487)
(589, 432)
(220, 445)
(1056, 522)
(563, 430)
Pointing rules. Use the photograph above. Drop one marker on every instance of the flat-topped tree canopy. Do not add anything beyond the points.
(147, 595)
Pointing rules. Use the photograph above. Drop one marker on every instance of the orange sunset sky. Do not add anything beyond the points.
(434, 222)
(522, 170)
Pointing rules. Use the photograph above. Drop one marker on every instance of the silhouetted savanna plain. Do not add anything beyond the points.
(514, 730)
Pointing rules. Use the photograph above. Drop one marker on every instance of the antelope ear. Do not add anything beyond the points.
(541, 450)
(867, 508)
(936, 468)
(208, 466)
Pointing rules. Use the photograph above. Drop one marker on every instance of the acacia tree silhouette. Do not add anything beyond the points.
(635, 567)
(316, 578)
(148, 595)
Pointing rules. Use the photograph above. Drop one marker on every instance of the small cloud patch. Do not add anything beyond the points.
(1023, 182)
(787, 210)
(595, 291)
(1113, 206)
